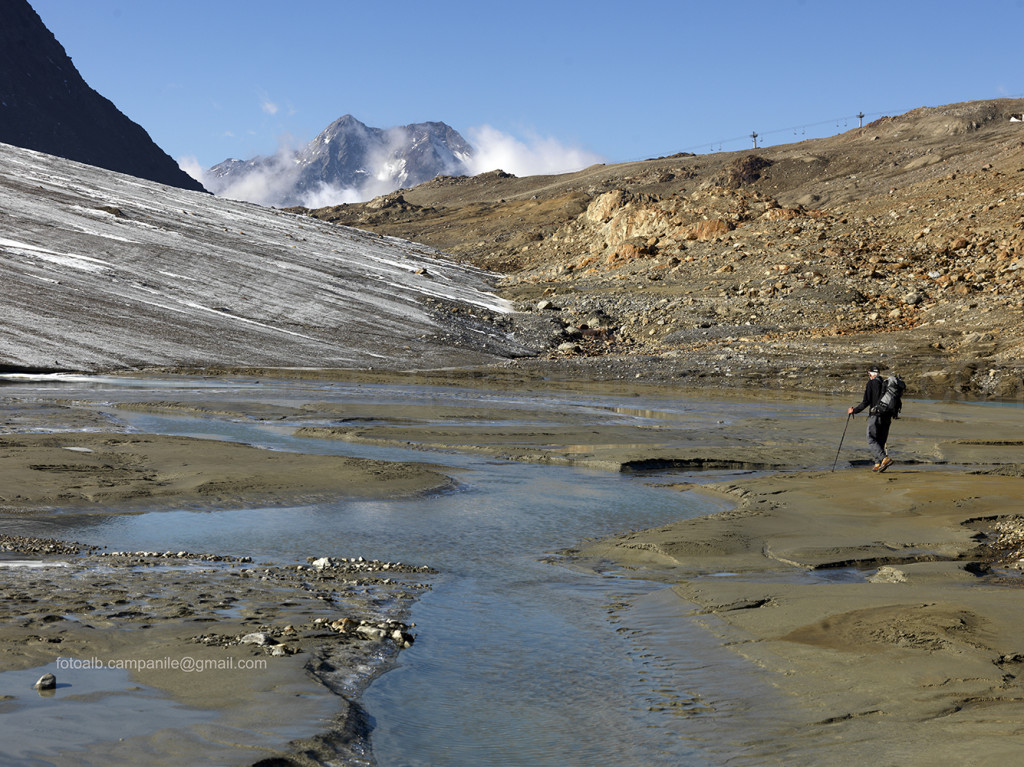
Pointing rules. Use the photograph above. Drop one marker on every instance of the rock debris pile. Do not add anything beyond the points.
(330, 608)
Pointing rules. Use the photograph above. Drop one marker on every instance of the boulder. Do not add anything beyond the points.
(257, 638)
(780, 214)
(601, 209)
(46, 682)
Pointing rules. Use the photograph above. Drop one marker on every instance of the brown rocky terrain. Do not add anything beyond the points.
(900, 242)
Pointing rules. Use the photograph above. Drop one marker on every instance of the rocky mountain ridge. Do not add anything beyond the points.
(45, 105)
(347, 158)
(901, 242)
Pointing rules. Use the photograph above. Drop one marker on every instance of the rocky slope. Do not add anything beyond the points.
(901, 242)
(46, 105)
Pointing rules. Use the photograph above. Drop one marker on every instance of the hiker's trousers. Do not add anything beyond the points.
(878, 433)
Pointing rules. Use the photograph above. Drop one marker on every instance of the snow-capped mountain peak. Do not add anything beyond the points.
(347, 161)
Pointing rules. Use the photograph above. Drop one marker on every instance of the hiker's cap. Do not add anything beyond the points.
(874, 369)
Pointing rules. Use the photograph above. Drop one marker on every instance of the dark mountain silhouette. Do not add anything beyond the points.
(348, 155)
(45, 105)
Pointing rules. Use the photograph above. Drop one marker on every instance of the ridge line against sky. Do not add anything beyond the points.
(538, 86)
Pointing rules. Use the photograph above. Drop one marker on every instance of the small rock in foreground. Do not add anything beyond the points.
(46, 682)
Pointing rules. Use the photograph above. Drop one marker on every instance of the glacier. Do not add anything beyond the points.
(105, 271)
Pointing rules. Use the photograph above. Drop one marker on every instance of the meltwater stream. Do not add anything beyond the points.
(518, 660)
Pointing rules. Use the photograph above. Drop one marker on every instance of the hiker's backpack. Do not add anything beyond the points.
(892, 398)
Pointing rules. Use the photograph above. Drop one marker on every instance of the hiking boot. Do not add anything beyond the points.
(885, 464)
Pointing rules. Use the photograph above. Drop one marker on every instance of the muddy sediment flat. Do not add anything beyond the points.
(767, 434)
(910, 649)
(106, 470)
(882, 606)
(206, 640)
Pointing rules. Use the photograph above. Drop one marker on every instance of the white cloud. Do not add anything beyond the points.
(539, 155)
(327, 195)
(273, 181)
(266, 104)
(190, 164)
(265, 185)
(268, 183)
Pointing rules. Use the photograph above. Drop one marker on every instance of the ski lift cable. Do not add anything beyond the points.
(802, 128)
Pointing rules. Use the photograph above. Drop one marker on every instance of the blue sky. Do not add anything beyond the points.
(551, 83)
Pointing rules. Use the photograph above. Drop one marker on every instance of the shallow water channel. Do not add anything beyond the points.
(519, 658)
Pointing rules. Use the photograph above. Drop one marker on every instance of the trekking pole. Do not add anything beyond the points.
(848, 417)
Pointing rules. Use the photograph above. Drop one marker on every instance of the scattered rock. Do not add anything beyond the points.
(887, 574)
(46, 682)
(371, 632)
(257, 638)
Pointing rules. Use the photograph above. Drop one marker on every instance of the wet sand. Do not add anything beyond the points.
(884, 607)
(747, 434)
(235, 661)
(109, 470)
(871, 601)
(207, 640)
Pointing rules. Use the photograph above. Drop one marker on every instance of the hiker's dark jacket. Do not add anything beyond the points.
(872, 394)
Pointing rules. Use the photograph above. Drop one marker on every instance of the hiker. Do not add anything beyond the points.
(878, 423)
